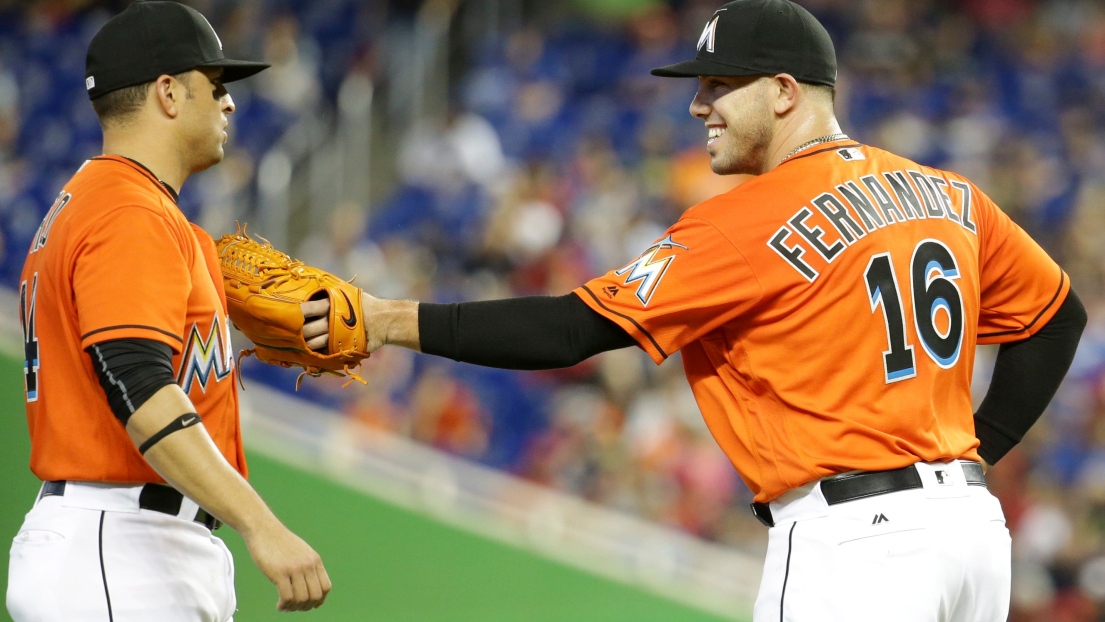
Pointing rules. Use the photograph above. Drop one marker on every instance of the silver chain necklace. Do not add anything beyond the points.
(817, 141)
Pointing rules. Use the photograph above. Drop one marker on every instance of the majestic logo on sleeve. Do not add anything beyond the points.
(204, 358)
(707, 36)
(648, 270)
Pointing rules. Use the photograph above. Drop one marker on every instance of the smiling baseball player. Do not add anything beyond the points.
(827, 312)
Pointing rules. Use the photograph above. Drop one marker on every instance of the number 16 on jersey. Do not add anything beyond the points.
(933, 289)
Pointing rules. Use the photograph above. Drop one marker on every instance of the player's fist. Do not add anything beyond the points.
(292, 565)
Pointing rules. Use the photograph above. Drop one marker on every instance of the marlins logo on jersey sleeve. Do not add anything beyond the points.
(681, 287)
(648, 270)
(207, 357)
(872, 275)
(116, 259)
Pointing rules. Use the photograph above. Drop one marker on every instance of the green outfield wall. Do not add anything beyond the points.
(386, 563)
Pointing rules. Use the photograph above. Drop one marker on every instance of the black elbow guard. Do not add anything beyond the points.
(131, 371)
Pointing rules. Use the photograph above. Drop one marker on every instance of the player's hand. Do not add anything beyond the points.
(316, 323)
(380, 317)
(292, 565)
(375, 330)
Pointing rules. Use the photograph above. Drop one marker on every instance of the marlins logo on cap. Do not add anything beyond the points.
(153, 38)
(708, 34)
(761, 37)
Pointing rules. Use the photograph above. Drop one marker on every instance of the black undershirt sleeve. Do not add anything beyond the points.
(1026, 375)
(131, 371)
(540, 332)
(554, 332)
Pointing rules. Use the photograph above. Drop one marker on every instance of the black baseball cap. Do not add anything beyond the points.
(761, 37)
(155, 37)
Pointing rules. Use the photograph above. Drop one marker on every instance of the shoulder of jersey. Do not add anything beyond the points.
(887, 160)
(105, 183)
(752, 192)
(798, 181)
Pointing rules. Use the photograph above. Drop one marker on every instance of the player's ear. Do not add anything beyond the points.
(786, 90)
(168, 92)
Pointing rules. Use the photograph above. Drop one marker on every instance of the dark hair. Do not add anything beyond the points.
(828, 93)
(120, 105)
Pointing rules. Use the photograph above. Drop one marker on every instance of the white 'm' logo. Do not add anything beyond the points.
(649, 270)
(707, 36)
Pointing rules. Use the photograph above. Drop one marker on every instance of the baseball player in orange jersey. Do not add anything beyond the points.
(130, 379)
(827, 311)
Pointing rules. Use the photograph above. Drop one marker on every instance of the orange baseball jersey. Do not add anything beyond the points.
(827, 311)
(115, 258)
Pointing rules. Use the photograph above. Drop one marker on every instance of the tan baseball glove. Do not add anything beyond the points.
(264, 290)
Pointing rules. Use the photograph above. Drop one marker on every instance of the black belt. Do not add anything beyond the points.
(847, 488)
(156, 497)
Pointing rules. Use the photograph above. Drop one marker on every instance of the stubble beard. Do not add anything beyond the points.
(205, 150)
(747, 155)
(206, 153)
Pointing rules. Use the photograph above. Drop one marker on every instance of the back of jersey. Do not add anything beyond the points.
(879, 278)
(828, 312)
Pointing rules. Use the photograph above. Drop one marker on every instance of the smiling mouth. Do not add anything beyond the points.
(714, 134)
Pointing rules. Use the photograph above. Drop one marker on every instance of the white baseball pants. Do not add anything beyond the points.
(93, 556)
(940, 553)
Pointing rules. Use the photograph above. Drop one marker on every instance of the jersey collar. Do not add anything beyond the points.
(833, 146)
(145, 172)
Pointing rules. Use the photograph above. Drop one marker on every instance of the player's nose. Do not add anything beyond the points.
(228, 104)
(699, 107)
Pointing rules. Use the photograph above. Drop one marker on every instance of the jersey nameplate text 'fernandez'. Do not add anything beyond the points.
(860, 206)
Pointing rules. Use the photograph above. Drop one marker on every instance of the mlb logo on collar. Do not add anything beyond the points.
(850, 154)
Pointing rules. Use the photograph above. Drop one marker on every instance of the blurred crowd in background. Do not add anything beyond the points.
(554, 156)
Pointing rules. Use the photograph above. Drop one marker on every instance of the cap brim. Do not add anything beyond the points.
(702, 67)
(237, 69)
